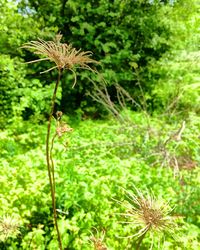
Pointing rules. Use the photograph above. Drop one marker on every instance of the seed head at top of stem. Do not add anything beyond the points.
(146, 214)
(62, 54)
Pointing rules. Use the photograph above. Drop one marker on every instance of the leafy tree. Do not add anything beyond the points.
(175, 77)
(122, 34)
(15, 89)
(129, 38)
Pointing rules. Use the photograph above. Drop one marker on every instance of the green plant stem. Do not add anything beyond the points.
(49, 167)
(140, 241)
(52, 162)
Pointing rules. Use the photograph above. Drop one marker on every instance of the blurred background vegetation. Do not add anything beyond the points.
(148, 50)
(145, 44)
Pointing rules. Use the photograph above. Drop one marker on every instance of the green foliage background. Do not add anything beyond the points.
(150, 48)
(131, 39)
(101, 160)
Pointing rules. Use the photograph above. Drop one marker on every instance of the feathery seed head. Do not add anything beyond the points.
(98, 241)
(146, 214)
(62, 128)
(98, 244)
(62, 54)
(9, 227)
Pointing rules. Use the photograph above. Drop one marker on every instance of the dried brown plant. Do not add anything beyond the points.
(62, 54)
(65, 57)
(98, 242)
(148, 215)
(9, 227)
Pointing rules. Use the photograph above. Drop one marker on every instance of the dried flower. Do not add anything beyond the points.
(62, 128)
(98, 241)
(9, 227)
(148, 215)
(62, 54)
(98, 244)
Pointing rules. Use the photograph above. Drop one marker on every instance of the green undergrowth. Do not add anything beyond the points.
(94, 165)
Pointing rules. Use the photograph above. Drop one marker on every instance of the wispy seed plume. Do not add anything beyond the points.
(62, 54)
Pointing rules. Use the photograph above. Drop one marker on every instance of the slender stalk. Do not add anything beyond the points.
(48, 159)
(52, 162)
(65, 57)
(140, 241)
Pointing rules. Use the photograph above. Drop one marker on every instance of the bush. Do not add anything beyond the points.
(94, 165)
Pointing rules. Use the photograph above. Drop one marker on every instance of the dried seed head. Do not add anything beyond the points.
(62, 128)
(98, 241)
(146, 214)
(98, 244)
(62, 54)
(9, 227)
